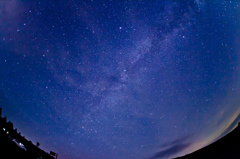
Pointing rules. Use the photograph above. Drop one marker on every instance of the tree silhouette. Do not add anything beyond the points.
(38, 144)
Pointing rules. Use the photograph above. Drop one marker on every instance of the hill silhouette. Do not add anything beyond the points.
(228, 147)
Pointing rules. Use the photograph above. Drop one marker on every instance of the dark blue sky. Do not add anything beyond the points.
(130, 79)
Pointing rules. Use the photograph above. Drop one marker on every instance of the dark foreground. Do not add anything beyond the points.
(227, 147)
(14, 145)
(10, 150)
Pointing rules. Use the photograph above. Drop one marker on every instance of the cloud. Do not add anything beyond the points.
(230, 127)
(173, 147)
(185, 144)
(171, 151)
(177, 141)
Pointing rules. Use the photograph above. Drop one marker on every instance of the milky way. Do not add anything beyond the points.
(129, 79)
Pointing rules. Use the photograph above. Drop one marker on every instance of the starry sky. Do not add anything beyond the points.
(120, 79)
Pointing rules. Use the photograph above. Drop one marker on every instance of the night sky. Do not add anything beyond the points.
(120, 79)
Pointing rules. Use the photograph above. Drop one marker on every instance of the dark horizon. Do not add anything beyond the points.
(226, 147)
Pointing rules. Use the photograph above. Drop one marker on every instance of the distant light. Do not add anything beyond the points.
(7, 132)
(4, 129)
